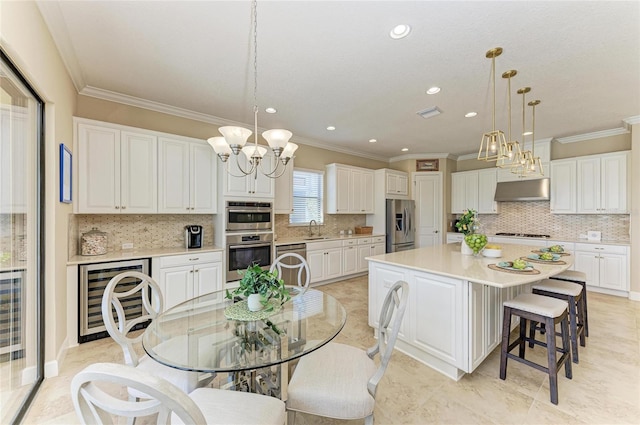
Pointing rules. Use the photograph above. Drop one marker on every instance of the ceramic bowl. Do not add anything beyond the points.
(493, 253)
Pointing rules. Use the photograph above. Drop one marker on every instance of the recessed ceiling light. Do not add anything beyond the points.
(270, 110)
(470, 114)
(331, 128)
(372, 140)
(400, 31)
(433, 90)
(405, 149)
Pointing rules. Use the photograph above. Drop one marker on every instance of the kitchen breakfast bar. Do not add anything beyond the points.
(454, 316)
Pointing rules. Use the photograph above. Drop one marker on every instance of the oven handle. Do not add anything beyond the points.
(254, 245)
(252, 210)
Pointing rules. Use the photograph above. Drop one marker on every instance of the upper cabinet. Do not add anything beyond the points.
(595, 184)
(396, 183)
(129, 170)
(350, 190)
(474, 190)
(254, 185)
(542, 149)
(187, 177)
(117, 170)
(283, 201)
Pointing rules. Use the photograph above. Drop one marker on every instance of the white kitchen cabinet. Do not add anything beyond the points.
(182, 277)
(187, 177)
(563, 187)
(368, 247)
(350, 190)
(542, 150)
(396, 183)
(283, 200)
(602, 184)
(487, 181)
(325, 260)
(349, 257)
(606, 266)
(255, 185)
(474, 190)
(454, 237)
(117, 169)
(485, 317)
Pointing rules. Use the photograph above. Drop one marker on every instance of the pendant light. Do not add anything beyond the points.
(493, 144)
(512, 151)
(234, 138)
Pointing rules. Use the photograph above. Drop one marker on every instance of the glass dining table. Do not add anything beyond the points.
(206, 335)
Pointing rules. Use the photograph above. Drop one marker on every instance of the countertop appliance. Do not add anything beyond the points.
(244, 250)
(244, 216)
(193, 235)
(400, 225)
(290, 276)
(94, 278)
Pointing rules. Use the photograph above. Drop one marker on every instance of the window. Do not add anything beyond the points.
(307, 197)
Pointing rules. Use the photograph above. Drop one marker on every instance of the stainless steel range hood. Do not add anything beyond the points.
(523, 190)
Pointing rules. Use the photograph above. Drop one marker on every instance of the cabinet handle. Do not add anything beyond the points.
(194, 259)
(197, 270)
(598, 248)
(191, 271)
(187, 208)
(123, 207)
(193, 208)
(117, 207)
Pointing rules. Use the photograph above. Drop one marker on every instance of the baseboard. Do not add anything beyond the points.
(52, 368)
(634, 296)
(607, 291)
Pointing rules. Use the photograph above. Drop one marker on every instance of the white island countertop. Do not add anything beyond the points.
(446, 260)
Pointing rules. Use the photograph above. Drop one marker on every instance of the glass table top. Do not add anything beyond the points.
(197, 335)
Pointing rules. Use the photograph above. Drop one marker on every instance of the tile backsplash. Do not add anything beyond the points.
(333, 223)
(535, 217)
(145, 231)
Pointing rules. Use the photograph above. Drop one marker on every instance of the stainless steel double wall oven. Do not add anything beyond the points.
(249, 235)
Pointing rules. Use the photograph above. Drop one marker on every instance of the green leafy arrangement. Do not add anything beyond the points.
(466, 223)
(255, 280)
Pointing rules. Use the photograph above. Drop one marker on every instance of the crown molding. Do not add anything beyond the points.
(628, 122)
(421, 156)
(594, 135)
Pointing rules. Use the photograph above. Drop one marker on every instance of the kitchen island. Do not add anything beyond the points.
(454, 317)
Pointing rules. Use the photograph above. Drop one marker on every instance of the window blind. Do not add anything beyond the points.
(307, 197)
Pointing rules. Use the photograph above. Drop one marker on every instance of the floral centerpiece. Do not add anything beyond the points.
(261, 288)
(468, 225)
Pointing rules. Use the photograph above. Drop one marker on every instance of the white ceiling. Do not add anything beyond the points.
(333, 63)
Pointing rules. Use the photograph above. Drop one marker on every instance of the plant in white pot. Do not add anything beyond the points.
(259, 287)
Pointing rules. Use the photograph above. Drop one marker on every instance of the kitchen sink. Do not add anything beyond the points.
(314, 238)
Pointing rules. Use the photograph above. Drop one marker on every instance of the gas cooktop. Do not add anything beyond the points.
(523, 235)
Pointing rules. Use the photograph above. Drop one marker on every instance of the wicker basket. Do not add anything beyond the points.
(364, 230)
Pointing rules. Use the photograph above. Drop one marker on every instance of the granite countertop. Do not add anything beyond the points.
(135, 253)
(325, 238)
(572, 240)
(446, 260)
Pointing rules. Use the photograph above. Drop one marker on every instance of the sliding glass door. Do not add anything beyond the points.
(21, 230)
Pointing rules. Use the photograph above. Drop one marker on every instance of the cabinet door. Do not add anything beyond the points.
(356, 183)
(176, 284)
(349, 260)
(457, 193)
(563, 187)
(392, 183)
(174, 176)
(98, 169)
(589, 263)
(138, 173)
(283, 196)
(471, 190)
(367, 192)
(403, 185)
(260, 185)
(613, 272)
(236, 186)
(477, 324)
(364, 251)
(315, 260)
(487, 181)
(342, 190)
(613, 184)
(333, 263)
(378, 249)
(207, 278)
(203, 191)
(588, 184)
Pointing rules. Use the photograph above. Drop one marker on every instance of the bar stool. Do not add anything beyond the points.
(537, 308)
(572, 293)
(581, 278)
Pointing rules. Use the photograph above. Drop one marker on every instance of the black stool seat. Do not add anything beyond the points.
(537, 309)
(572, 293)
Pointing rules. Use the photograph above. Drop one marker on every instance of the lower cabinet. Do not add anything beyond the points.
(368, 247)
(349, 257)
(182, 277)
(325, 260)
(606, 266)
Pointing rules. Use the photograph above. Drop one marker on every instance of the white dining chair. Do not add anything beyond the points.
(339, 381)
(93, 389)
(293, 261)
(120, 327)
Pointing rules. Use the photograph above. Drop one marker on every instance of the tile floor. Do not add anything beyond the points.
(605, 388)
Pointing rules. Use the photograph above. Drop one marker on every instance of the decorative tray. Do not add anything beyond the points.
(535, 258)
(541, 250)
(240, 311)
(507, 266)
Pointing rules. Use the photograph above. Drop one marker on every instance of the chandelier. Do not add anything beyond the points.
(529, 164)
(512, 152)
(493, 146)
(234, 139)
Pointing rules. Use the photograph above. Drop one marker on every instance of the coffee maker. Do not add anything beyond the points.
(193, 235)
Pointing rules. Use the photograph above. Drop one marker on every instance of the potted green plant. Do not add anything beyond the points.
(260, 287)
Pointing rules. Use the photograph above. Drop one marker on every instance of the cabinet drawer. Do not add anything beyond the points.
(317, 246)
(190, 259)
(379, 239)
(349, 242)
(609, 249)
(364, 241)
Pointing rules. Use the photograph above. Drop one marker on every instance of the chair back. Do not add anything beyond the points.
(112, 300)
(391, 314)
(292, 261)
(92, 389)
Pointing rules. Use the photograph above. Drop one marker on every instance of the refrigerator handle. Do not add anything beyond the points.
(406, 223)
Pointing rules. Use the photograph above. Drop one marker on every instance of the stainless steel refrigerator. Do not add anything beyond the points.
(401, 230)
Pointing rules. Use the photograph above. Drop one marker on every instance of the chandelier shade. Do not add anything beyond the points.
(493, 143)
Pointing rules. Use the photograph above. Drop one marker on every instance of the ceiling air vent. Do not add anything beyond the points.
(429, 112)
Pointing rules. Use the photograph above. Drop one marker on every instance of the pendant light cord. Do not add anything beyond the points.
(255, 70)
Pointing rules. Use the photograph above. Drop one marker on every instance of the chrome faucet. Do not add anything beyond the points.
(311, 230)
